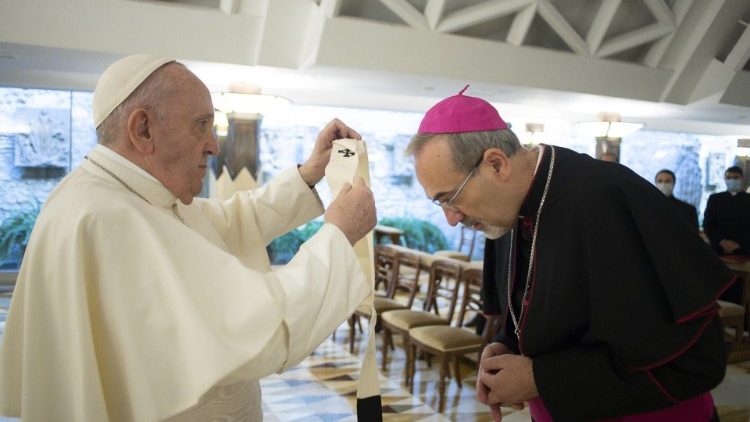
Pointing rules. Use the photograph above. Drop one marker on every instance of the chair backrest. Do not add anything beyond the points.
(468, 238)
(386, 267)
(410, 259)
(472, 280)
(472, 296)
(444, 284)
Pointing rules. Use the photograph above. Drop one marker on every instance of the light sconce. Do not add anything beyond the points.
(743, 147)
(609, 126)
(245, 105)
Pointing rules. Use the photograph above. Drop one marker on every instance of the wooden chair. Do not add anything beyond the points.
(387, 269)
(448, 343)
(467, 239)
(410, 273)
(443, 284)
(732, 318)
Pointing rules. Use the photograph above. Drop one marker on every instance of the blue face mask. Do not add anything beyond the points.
(733, 185)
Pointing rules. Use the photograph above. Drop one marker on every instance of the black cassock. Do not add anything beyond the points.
(727, 216)
(688, 211)
(621, 314)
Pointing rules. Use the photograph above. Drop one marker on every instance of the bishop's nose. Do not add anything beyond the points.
(453, 216)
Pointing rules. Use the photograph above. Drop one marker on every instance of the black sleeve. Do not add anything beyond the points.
(506, 336)
(710, 224)
(694, 218)
(589, 382)
(743, 237)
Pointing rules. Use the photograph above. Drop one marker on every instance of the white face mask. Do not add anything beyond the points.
(733, 185)
(665, 188)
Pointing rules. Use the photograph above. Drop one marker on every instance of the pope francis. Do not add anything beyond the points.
(138, 302)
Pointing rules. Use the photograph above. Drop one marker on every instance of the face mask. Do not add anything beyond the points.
(665, 188)
(733, 185)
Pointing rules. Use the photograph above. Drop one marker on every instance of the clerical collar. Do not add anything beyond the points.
(530, 203)
(146, 185)
(119, 159)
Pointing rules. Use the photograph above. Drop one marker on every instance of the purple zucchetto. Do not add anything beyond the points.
(461, 113)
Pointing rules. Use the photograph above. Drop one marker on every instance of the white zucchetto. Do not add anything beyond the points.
(120, 80)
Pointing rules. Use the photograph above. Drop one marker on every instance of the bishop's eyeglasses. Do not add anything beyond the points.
(449, 203)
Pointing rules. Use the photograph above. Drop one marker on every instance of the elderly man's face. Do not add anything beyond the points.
(185, 135)
(439, 178)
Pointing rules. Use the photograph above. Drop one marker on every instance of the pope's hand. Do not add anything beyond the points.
(315, 167)
(353, 211)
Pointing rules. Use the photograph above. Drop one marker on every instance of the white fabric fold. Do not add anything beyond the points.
(122, 312)
(349, 160)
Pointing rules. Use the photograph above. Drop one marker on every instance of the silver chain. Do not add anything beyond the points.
(128, 187)
(122, 182)
(517, 322)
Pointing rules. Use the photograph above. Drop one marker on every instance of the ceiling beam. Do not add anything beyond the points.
(433, 11)
(404, 10)
(601, 23)
(661, 11)
(737, 58)
(549, 13)
(331, 8)
(659, 48)
(634, 38)
(697, 42)
(356, 44)
(229, 6)
(479, 13)
(521, 24)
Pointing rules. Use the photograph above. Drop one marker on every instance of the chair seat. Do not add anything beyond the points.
(453, 255)
(406, 319)
(383, 304)
(727, 309)
(444, 338)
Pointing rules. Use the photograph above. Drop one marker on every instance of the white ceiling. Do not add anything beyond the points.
(672, 64)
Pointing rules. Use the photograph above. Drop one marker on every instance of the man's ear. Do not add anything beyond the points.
(499, 162)
(140, 129)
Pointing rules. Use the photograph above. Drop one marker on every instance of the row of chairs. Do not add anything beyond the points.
(436, 328)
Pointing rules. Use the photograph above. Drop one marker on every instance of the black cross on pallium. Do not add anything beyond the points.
(346, 152)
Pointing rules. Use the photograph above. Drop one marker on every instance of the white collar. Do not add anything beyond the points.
(129, 175)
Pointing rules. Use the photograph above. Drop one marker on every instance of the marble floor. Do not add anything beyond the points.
(332, 366)
(323, 388)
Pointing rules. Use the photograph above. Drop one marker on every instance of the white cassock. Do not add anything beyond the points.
(130, 311)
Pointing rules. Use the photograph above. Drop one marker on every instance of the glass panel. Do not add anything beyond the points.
(34, 157)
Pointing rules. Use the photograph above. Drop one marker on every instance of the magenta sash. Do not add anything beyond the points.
(697, 409)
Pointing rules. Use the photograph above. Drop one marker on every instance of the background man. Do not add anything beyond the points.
(136, 301)
(665, 181)
(726, 220)
(726, 223)
(591, 332)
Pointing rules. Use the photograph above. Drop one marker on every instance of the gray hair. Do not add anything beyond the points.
(149, 94)
(467, 147)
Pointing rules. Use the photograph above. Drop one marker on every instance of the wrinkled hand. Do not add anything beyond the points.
(729, 246)
(315, 167)
(353, 211)
(509, 378)
(492, 349)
